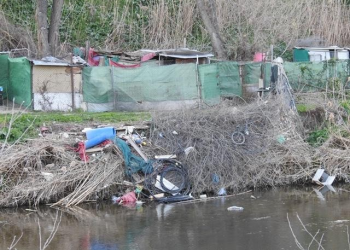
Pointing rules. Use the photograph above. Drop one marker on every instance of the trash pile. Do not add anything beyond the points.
(64, 171)
(221, 149)
(255, 145)
(46, 171)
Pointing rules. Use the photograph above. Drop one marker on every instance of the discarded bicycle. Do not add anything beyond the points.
(238, 136)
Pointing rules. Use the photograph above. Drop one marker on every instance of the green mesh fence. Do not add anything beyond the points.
(208, 76)
(146, 83)
(4, 73)
(156, 83)
(317, 76)
(251, 73)
(229, 79)
(97, 85)
(153, 83)
(20, 83)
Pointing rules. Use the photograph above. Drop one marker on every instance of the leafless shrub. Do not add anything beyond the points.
(163, 24)
(246, 26)
(274, 153)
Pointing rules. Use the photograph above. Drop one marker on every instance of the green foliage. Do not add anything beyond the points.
(282, 50)
(20, 12)
(38, 119)
(302, 108)
(318, 137)
(346, 105)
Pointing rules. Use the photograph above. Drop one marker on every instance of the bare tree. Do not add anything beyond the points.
(210, 23)
(48, 36)
(54, 25)
(42, 28)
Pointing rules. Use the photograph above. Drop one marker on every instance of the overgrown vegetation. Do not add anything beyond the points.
(33, 121)
(318, 137)
(245, 26)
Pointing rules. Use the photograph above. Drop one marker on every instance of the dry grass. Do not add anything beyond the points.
(261, 161)
(245, 26)
(26, 168)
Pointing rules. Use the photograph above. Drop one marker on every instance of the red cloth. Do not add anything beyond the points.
(81, 150)
(104, 143)
(128, 198)
(148, 57)
(91, 60)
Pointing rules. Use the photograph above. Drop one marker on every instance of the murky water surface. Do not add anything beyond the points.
(274, 220)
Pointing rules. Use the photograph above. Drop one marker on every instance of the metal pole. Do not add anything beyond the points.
(271, 48)
(199, 87)
(113, 90)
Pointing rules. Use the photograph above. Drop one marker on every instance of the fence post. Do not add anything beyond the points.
(199, 85)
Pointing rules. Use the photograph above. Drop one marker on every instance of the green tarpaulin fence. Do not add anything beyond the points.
(229, 79)
(97, 85)
(153, 83)
(317, 76)
(208, 77)
(156, 83)
(4, 73)
(146, 83)
(19, 87)
(251, 73)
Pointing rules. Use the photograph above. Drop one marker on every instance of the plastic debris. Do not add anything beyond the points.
(235, 208)
(188, 150)
(281, 139)
(222, 191)
(115, 199)
(322, 178)
(47, 176)
(128, 198)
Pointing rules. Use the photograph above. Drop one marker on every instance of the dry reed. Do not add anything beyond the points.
(274, 153)
(44, 171)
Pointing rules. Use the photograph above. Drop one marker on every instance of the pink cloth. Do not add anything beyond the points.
(148, 57)
(128, 198)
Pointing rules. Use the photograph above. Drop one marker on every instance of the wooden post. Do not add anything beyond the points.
(271, 49)
(72, 82)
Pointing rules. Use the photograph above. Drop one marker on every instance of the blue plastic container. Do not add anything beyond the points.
(108, 131)
(98, 135)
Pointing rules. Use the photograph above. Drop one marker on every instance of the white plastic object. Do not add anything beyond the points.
(235, 208)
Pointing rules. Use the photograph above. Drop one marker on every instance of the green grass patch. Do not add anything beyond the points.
(302, 108)
(37, 119)
(318, 137)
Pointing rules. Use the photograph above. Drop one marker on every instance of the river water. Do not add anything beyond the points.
(278, 218)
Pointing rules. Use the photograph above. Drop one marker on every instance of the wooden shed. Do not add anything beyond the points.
(56, 86)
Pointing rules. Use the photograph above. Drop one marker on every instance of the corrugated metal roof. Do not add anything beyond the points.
(45, 63)
(185, 54)
(322, 48)
(50, 61)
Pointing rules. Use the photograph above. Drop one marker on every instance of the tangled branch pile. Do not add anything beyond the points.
(45, 171)
(274, 152)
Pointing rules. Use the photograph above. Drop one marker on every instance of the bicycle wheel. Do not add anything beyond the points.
(238, 138)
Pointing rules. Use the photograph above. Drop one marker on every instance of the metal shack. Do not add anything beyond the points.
(318, 54)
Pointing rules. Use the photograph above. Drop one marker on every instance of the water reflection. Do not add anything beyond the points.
(263, 223)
